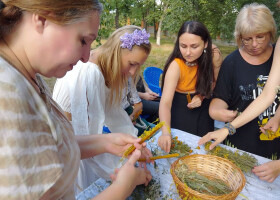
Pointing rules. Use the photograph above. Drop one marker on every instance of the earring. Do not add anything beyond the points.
(204, 50)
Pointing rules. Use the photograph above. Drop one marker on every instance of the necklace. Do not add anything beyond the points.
(191, 64)
(26, 74)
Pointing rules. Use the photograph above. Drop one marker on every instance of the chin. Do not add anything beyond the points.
(60, 74)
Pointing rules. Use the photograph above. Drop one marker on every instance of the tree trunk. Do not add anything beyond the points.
(159, 31)
(155, 27)
(160, 24)
(117, 25)
(155, 30)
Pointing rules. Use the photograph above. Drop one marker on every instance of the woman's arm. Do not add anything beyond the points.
(171, 80)
(218, 110)
(114, 143)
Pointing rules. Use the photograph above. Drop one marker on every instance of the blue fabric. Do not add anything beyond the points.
(152, 76)
(106, 129)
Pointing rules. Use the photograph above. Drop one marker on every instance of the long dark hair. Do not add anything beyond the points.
(205, 72)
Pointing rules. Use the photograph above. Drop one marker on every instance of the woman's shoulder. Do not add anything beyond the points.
(175, 68)
(12, 81)
(17, 91)
(177, 63)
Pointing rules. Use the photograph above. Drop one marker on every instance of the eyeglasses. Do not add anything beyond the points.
(249, 41)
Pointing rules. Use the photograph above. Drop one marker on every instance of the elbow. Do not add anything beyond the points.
(212, 113)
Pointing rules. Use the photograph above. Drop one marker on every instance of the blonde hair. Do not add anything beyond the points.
(109, 62)
(253, 19)
(62, 12)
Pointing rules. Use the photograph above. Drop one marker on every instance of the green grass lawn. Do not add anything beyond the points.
(159, 54)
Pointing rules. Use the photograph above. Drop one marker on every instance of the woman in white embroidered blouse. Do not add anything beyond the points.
(91, 94)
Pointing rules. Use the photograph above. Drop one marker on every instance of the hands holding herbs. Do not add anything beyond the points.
(117, 143)
(128, 176)
(272, 124)
(125, 179)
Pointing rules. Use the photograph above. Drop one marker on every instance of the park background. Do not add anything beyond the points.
(163, 18)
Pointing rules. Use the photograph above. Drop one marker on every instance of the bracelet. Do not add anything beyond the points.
(168, 128)
(230, 128)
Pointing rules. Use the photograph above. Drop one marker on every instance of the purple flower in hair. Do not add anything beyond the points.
(138, 37)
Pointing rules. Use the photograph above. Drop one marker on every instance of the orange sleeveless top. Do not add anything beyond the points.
(187, 79)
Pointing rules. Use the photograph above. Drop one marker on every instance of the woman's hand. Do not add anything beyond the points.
(150, 96)
(195, 103)
(117, 143)
(228, 115)
(272, 124)
(129, 176)
(164, 141)
(218, 135)
(268, 171)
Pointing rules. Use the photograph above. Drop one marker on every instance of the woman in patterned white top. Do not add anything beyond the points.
(39, 152)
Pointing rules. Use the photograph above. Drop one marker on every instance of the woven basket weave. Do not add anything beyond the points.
(211, 167)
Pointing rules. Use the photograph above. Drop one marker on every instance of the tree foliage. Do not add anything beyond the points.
(168, 15)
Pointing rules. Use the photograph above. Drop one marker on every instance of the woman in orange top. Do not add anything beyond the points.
(188, 79)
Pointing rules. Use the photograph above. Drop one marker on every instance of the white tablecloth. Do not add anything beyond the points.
(254, 189)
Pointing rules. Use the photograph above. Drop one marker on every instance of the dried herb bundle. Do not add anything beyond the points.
(145, 136)
(180, 147)
(152, 191)
(244, 161)
(270, 135)
(201, 183)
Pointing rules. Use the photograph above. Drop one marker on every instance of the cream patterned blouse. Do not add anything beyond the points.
(38, 151)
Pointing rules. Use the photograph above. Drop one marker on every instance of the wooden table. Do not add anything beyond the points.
(254, 189)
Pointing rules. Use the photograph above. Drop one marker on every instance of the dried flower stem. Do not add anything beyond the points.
(145, 136)
(160, 157)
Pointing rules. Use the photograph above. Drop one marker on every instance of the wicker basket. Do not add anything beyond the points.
(211, 167)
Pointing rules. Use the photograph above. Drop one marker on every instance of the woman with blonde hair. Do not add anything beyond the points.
(91, 94)
(39, 153)
(241, 80)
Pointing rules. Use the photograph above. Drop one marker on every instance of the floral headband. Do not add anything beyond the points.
(138, 37)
